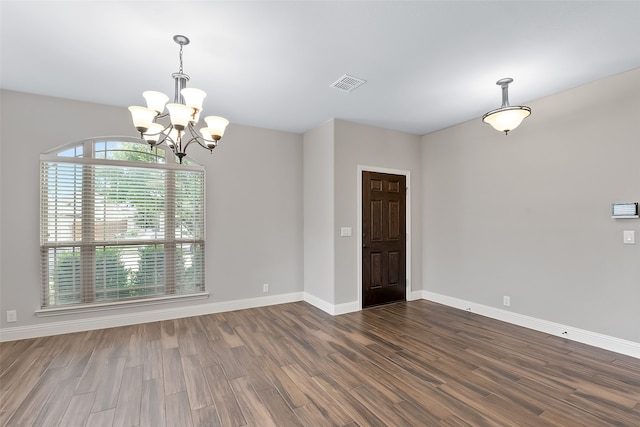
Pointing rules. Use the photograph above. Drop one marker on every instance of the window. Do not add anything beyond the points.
(119, 222)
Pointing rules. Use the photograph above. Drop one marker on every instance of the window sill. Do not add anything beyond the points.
(89, 308)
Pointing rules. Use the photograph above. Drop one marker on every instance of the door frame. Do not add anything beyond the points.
(407, 175)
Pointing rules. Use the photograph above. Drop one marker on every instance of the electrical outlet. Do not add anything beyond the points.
(265, 288)
(629, 237)
(12, 316)
(506, 301)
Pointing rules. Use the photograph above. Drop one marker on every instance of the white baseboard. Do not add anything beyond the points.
(606, 342)
(347, 307)
(114, 320)
(332, 309)
(617, 345)
(415, 295)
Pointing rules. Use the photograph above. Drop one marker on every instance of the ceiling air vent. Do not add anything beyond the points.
(347, 83)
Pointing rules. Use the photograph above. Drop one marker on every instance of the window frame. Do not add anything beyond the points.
(84, 154)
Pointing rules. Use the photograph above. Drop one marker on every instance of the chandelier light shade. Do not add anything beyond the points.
(507, 117)
(155, 100)
(183, 114)
(216, 126)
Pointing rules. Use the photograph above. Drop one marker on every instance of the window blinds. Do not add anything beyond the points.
(110, 232)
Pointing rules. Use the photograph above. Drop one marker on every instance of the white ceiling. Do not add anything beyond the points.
(428, 64)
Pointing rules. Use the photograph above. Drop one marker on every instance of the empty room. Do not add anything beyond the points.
(319, 213)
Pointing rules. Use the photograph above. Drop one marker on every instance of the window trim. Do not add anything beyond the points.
(113, 305)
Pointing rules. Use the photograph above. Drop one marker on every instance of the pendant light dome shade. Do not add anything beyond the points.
(506, 118)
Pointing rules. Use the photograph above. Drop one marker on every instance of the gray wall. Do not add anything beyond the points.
(528, 214)
(332, 154)
(364, 145)
(253, 212)
(319, 212)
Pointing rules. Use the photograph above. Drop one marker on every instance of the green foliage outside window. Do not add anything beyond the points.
(111, 276)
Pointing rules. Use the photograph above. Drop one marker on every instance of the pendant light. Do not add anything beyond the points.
(507, 117)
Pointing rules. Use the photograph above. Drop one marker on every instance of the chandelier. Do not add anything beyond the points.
(183, 113)
(506, 118)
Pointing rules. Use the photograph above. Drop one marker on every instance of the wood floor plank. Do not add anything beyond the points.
(78, 410)
(610, 413)
(178, 412)
(172, 371)
(379, 406)
(276, 347)
(109, 385)
(93, 371)
(278, 408)
(415, 414)
(283, 383)
(152, 331)
(248, 340)
(187, 342)
(19, 377)
(101, 419)
(152, 403)
(253, 409)
(260, 380)
(82, 353)
(136, 350)
(168, 336)
(205, 351)
(426, 394)
(310, 415)
(498, 408)
(306, 357)
(130, 397)
(196, 384)
(409, 363)
(56, 405)
(115, 341)
(327, 404)
(27, 412)
(568, 415)
(365, 377)
(13, 351)
(229, 335)
(356, 407)
(225, 400)
(66, 352)
(152, 367)
(227, 360)
(206, 417)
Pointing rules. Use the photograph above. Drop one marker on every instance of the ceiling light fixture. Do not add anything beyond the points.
(183, 113)
(506, 118)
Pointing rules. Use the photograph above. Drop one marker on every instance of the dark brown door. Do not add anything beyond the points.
(383, 238)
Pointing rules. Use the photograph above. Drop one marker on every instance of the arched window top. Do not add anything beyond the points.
(119, 148)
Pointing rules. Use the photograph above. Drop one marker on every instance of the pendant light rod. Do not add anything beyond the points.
(504, 84)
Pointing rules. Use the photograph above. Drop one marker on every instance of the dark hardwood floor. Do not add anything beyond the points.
(405, 364)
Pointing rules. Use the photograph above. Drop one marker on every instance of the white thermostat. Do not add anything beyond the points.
(624, 210)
